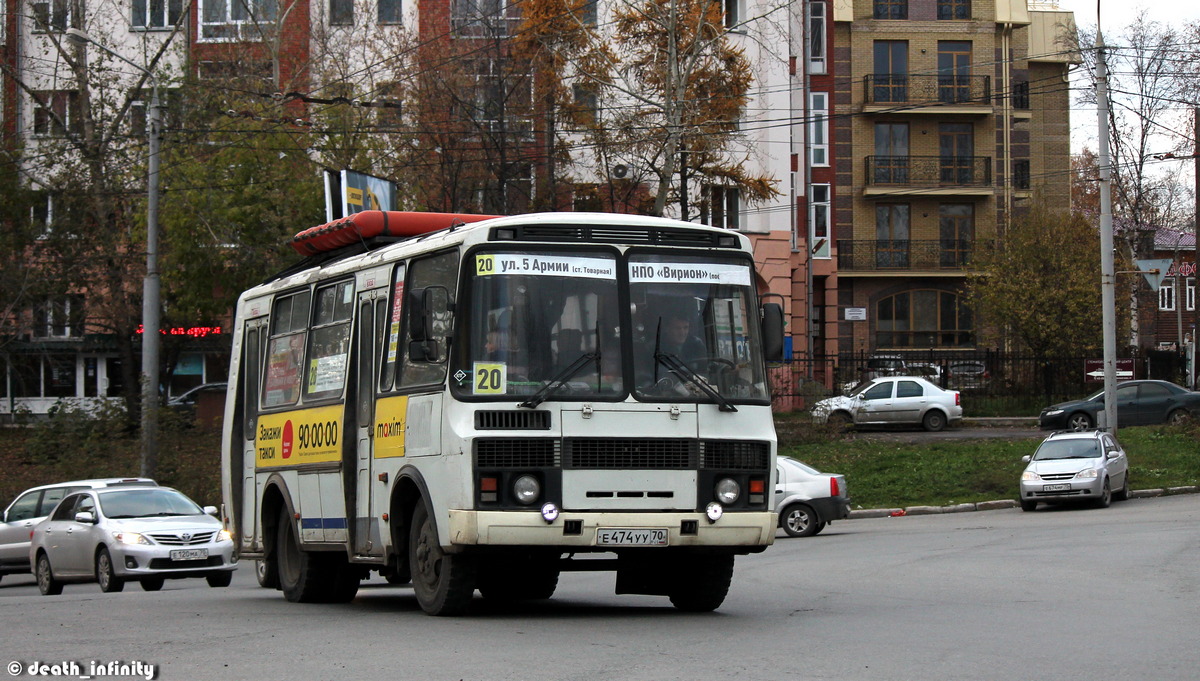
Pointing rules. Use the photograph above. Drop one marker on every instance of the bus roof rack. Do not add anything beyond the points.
(368, 224)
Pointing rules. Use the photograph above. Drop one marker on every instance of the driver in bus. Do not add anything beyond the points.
(677, 339)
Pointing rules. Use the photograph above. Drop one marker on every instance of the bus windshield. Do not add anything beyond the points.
(542, 323)
(694, 329)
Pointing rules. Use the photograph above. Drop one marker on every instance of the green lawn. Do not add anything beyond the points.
(893, 475)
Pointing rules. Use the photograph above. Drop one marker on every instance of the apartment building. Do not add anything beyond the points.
(950, 116)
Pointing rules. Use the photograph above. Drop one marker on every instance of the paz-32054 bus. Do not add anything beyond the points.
(478, 403)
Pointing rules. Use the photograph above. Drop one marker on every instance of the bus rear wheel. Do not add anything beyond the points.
(702, 583)
(312, 577)
(443, 582)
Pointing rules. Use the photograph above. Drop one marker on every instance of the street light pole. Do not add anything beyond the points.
(151, 290)
(1107, 269)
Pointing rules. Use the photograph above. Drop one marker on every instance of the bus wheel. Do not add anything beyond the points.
(303, 575)
(702, 584)
(514, 580)
(442, 582)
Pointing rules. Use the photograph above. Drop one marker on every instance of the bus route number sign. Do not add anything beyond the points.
(489, 378)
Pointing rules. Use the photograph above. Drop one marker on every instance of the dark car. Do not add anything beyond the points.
(1139, 403)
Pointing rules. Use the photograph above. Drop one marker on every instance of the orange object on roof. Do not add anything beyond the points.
(372, 223)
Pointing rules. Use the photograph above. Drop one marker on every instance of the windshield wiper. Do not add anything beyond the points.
(677, 367)
(560, 379)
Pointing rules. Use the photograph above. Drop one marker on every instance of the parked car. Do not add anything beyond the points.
(967, 375)
(118, 534)
(185, 403)
(808, 499)
(1139, 403)
(31, 507)
(891, 401)
(1075, 466)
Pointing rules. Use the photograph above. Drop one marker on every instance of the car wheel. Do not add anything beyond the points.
(1178, 417)
(219, 579)
(799, 520)
(109, 582)
(442, 582)
(1028, 505)
(934, 421)
(47, 584)
(1079, 421)
(839, 421)
(153, 583)
(1105, 499)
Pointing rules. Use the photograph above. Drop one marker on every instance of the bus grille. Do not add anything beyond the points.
(736, 455)
(523, 452)
(633, 453)
(512, 420)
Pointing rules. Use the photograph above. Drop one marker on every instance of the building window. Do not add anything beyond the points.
(891, 154)
(956, 153)
(956, 226)
(1021, 174)
(818, 220)
(1020, 95)
(53, 110)
(732, 12)
(388, 114)
(954, 71)
(721, 207)
(954, 9)
(818, 128)
(479, 17)
(1166, 295)
(1190, 294)
(890, 74)
(590, 12)
(233, 20)
(341, 12)
(923, 319)
(891, 9)
(389, 12)
(891, 235)
(156, 13)
(587, 105)
(817, 38)
(58, 317)
(54, 15)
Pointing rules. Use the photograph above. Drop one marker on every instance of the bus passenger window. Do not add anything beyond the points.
(285, 350)
(329, 343)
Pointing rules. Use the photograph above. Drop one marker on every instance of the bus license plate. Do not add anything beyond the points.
(611, 536)
(189, 554)
(1057, 488)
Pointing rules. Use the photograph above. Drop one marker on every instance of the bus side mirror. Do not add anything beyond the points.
(772, 332)
(429, 320)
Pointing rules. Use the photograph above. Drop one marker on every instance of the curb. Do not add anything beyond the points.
(998, 504)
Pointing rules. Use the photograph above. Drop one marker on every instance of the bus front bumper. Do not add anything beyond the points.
(581, 531)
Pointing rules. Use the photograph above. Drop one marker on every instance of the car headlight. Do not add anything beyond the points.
(1052, 412)
(728, 491)
(130, 538)
(1030, 476)
(223, 535)
(1087, 473)
(526, 489)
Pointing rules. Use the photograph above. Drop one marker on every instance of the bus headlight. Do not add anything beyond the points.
(526, 489)
(728, 491)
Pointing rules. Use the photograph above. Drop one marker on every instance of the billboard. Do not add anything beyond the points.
(349, 191)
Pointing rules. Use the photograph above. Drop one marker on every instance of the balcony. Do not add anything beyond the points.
(928, 176)
(894, 255)
(908, 93)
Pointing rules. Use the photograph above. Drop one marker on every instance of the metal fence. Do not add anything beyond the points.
(992, 383)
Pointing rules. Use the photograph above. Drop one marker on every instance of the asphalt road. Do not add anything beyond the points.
(1059, 594)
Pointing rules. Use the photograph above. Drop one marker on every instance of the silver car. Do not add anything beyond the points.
(808, 499)
(31, 507)
(892, 401)
(1076, 466)
(116, 535)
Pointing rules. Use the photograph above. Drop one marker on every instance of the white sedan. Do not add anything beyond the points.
(119, 534)
(892, 401)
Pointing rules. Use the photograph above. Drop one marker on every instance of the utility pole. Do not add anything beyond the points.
(1107, 270)
(1180, 277)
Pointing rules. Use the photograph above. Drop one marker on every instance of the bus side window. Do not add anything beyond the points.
(285, 352)
(250, 368)
(391, 344)
(438, 273)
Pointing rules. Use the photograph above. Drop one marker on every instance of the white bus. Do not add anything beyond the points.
(478, 403)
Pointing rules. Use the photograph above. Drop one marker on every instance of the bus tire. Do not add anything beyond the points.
(703, 585)
(345, 578)
(442, 582)
(303, 575)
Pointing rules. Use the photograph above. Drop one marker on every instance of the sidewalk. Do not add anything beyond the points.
(998, 504)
